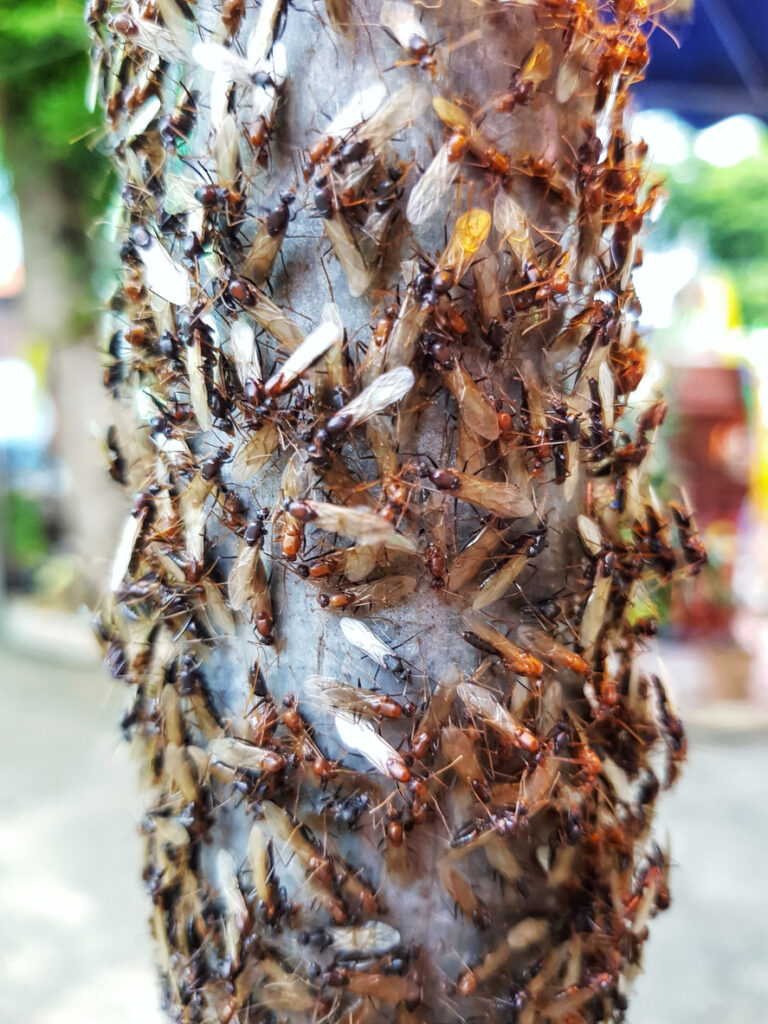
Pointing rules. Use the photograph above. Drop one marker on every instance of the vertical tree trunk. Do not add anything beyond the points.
(391, 558)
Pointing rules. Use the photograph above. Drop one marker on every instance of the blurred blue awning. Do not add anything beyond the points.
(720, 67)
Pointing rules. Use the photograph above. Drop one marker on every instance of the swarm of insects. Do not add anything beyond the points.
(391, 556)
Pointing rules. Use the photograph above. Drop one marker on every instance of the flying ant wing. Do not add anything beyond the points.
(481, 702)
(244, 756)
(221, 60)
(594, 613)
(512, 656)
(254, 69)
(288, 833)
(167, 279)
(247, 585)
(486, 274)
(198, 392)
(360, 737)
(459, 749)
(270, 76)
(170, 707)
(514, 227)
(194, 515)
(590, 535)
(360, 523)
(353, 700)
(169, 831)
(504, 500)
(569, 72)
(263, 252)
(347, 253)
(215, 609)
(261, 39)
(537, 67)
(143, 118)
(335, 363)
(437, 710)
(226, 151)
(383, 593)
(258, 858)
(607, 392)
(526, 933)
(125, 548)
(469, 232)
(402, 109)
(400, 347)
(474, 408)
(178, 767)
(548, 647)
(303, 859)
(246, 354)
(175, 22)
(236, 918)
(461, 124)
(308, 352)
(452, 115)
(497, 586)
(255, 454)
(358, 562)
(372, 937)
(160, 39)
(390, 387)
(362, 636)
(285, 331)
(279, 990)
(534, 396)
(429, 191)
(470, 560)
(359, 109)
(400, 18)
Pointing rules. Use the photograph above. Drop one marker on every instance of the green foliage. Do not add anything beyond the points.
(26, 531)
(43, 72)
(727, 207)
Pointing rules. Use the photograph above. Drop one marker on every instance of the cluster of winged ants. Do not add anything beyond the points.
(391, 557)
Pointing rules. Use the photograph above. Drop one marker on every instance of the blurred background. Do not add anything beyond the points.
(71, 907)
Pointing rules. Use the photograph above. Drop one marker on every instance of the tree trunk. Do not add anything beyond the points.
(390, 560)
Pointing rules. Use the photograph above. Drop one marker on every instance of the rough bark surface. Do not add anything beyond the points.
(391, 558)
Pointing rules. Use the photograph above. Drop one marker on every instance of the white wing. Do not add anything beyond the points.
(396, 114)
(428, 192)
(244, 351)
(363, 637)
(167, 279)
(400, 18)
(262, 37)
(309, 351)
(362, 106)
(390, 387)
(222, 61)
(371, 937)
(143, 118)
(362, 738)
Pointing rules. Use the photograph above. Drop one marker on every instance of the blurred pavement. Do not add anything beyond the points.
(73, 937)
(74, 947)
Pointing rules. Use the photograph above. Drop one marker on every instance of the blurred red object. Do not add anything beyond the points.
(710, 449)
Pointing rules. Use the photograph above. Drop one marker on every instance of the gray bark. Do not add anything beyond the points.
(505, 833)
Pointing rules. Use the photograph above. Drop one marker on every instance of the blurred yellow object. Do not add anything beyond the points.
(38, 354)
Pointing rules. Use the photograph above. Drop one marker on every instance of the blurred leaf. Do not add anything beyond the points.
(728, 208)
(43, 72)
